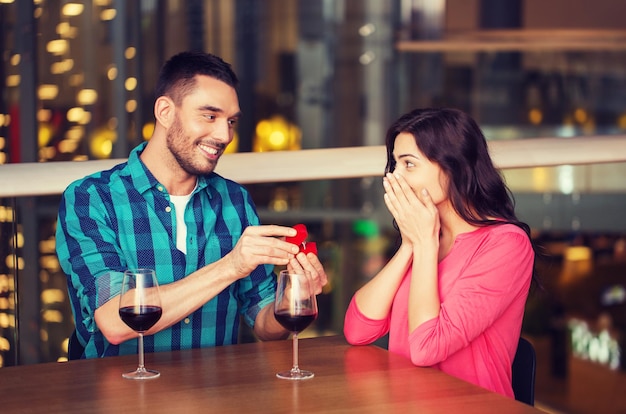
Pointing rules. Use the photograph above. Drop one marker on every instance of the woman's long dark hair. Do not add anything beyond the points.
(453, 140)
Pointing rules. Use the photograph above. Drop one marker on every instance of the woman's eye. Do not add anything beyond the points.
(232, 122)
(409, 164)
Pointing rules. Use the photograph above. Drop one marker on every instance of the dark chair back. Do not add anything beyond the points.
(74, 348)
(524, 368)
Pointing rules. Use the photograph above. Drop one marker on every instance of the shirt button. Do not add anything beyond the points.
(187, 321)
(160, 187)
(168, 209)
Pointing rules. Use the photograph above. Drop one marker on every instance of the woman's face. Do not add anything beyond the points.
(417, 170)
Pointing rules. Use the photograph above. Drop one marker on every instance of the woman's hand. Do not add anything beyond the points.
(416, 214)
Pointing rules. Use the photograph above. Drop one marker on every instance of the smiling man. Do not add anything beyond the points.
(166, 209)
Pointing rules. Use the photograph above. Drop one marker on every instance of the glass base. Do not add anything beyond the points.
(295, 374)
(142, 374)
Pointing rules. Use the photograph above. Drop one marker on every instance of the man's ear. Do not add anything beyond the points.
(164, 111)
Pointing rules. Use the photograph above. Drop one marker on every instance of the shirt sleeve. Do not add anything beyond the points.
(498, 274)
(88, 252)
(358, 329)
(258, 289)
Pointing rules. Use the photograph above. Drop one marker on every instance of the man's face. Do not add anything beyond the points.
(204, 125)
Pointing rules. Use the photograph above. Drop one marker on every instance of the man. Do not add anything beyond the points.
(166, 209)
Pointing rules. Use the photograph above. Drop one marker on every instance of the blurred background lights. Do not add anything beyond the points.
(276, 134)
(13, 80)
(580, 115)
(75, 114)
(367, 58)
(72, 9)
(367, 29)
(278, 140)
(147, 130)
(535, 116)
(566, 178)
(280, 201)
(540, 179)
(130, 84)
(112, 72)
(621, 121)
(68, 146)
(599, 347)
(87, 97)
(53, 316)
(47, 92)
(112, 123)
(108, 14)
(47, 246)
(75, 133)
(45, 134)
(233, 146)
(66, 31)
(78, 115)
(57, 46)
(76, 79)
(58, 68)
(46, 153)
(51, 296)
(5, 321)
(12, 263)
(130, 52)
(6, 216)
(131, 105)
(101, 142)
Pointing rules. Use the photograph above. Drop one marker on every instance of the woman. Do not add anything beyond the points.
(453, 295)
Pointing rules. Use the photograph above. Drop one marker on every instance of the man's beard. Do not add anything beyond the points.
(184, 153)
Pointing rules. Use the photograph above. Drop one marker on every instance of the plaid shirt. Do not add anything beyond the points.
(122, 218)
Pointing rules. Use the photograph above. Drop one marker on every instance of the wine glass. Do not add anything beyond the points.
(140, 309)
(295, 308)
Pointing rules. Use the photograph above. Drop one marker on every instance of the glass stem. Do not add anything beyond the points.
(295, 353)
(140, 345)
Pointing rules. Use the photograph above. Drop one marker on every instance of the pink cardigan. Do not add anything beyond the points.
(483, 286)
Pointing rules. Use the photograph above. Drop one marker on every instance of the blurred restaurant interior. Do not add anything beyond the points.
(76, 83)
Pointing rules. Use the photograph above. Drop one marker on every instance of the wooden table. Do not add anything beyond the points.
(241, 379)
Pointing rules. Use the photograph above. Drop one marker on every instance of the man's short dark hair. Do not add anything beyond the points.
(177, 76)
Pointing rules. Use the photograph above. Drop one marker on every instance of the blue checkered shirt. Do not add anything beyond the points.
(123, 218)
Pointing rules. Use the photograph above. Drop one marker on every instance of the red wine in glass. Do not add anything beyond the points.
(141, 318)
(295, 323)
(295, 307)
(140, 308)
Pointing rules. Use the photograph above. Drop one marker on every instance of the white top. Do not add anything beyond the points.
(180, 204)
